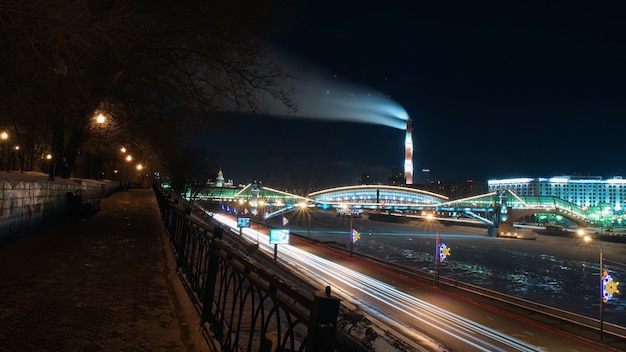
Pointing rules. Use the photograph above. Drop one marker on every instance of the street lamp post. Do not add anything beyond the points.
(129, 158)
(261, 213)
(139, 168)
(50, 161)
(5, 162)
(308, 230)
(351, 237)
(437, 254)
(304, 207)
(431, 217)
(588, 239)
(354, 236)
(601, 295)
(100, 121)
(17, 158)
(123, 151)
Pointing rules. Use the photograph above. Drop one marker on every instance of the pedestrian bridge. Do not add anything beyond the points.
(498, 211)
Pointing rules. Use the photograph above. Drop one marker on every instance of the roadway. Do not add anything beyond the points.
(416, 311)
(455, 321)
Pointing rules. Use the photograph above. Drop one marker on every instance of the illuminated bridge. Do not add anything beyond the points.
(496, 210)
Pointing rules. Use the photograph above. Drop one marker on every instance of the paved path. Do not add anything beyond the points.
(102, 283)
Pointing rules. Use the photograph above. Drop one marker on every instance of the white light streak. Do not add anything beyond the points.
(372, 295)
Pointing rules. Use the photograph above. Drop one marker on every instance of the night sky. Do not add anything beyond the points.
(495, 90)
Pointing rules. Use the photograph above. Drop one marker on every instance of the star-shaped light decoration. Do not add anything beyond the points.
(609, 287)
(444, 252)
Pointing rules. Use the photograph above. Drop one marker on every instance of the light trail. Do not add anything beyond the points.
(383, 300)
(445, 322)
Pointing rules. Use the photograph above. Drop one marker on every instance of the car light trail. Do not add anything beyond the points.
(435, 317)
(378, 296)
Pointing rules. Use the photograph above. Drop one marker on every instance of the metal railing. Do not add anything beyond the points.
(244, 306)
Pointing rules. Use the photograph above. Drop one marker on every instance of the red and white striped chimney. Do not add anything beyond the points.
(408, 153)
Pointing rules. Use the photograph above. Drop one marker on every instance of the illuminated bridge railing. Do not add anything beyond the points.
(484, 201)
(529, 202)
(247, 193)
(548, 202)
(244, 306)
(569, 206)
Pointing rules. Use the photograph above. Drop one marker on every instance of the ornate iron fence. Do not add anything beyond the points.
(243, 306)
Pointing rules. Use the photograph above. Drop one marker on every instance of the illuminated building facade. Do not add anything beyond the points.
(585, 191)
(408, 153)
(219, 182)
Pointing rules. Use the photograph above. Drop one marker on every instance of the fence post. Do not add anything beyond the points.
(182, 238)
(209, 284)
(323, 322)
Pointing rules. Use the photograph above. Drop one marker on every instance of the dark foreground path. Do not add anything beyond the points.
(101, 283)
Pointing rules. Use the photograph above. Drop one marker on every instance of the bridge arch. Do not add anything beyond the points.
(518, 207)
(376, 197)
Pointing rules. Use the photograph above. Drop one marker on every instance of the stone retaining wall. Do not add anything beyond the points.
(26, 205)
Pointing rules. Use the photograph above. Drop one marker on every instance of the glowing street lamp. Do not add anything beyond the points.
(304, 207)
(5, 161)
(129, 158)
(608, 287)
(18, 155)
(140, 179)
(430, 217)
(261, 212)
(5, 137)
(49, 158)
(123, 151)
(100, 119)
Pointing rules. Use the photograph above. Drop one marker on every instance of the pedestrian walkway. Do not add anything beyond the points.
(101, 283)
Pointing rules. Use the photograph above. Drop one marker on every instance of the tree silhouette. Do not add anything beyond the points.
(161, 70)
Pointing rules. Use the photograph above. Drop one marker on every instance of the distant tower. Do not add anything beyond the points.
(220, 179)
(408, 153)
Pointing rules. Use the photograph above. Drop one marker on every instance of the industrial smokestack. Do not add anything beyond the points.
(408, 153)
